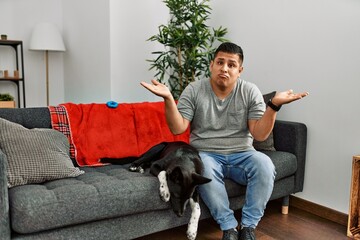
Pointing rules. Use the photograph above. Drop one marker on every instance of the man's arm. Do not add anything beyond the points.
(174, 119)
(261, 128)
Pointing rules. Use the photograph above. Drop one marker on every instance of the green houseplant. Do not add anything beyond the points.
(6, 97)
(6, 100)
(188, 44)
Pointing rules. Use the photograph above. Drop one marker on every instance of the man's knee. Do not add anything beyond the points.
(264, 166)
(212, 169)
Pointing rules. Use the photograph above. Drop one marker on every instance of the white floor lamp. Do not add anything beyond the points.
(46, 37)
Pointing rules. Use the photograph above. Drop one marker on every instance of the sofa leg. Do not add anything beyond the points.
(285, 205)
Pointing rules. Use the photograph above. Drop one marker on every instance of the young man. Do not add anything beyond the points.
(226, 113)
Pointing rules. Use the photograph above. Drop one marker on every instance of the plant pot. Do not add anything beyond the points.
(7, 104)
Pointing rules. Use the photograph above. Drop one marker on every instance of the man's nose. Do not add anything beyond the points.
(224, 68)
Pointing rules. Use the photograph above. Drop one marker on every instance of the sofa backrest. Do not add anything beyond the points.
(28, 117)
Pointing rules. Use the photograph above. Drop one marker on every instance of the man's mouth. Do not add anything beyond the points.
(223, 76)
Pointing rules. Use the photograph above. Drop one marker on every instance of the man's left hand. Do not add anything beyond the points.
(289, 96)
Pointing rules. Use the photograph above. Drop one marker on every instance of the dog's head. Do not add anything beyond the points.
(182, 186)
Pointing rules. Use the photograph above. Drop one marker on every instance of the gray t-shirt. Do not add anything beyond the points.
(220, 126)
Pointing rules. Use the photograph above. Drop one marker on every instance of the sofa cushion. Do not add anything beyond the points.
(35, 155)
(109, 191)
(285, 163)
(101, 193)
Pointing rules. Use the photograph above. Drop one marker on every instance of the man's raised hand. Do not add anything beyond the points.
(287, 97)
(157, 88)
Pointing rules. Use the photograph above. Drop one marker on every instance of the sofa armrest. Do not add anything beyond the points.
(4, 199)
(292, 137)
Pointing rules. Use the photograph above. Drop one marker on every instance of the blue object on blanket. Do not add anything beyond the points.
(112, 104)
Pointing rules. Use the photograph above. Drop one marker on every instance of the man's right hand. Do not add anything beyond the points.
(174, 119)
(158, 89)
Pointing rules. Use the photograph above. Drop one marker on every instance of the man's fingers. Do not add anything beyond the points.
(155, 82)
(291, 93)
(304, 94)
(301, 95)
(146, 85)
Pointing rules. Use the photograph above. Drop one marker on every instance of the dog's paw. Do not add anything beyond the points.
(191, 232)
(194, 220)
(134, 168)
(164, 195)
(164, 189)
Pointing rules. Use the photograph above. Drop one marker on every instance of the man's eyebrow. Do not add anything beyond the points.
(230, 60)
(233, 61)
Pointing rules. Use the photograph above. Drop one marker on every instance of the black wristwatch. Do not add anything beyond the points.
(273, 106)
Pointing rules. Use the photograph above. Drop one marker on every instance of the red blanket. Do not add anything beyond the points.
(129, 130)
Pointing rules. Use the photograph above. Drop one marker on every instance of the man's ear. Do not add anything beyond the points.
(240, 70)
(211, 65)
(199, 179)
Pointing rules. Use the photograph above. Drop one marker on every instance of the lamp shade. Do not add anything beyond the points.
(46, 36)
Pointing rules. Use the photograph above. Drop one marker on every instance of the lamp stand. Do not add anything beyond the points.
(47, 76)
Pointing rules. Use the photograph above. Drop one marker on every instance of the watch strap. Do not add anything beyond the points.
(273, 106)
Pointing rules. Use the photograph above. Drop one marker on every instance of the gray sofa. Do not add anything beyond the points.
(109, 202)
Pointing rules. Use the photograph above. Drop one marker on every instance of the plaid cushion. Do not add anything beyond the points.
(35, 155)
(59, 122)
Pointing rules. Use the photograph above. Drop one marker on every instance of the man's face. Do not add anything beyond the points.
(225, 69)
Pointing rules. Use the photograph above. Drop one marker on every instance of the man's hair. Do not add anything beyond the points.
(229, 47)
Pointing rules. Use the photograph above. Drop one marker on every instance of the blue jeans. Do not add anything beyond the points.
(251, 168)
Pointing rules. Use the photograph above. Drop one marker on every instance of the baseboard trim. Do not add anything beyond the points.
(318, 210)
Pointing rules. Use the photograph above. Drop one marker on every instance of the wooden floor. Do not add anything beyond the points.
(297, 225)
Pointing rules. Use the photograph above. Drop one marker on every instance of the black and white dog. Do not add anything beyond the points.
(178, 167)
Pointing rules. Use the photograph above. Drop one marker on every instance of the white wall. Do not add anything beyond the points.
(17, 19)
(87, 59)
(107, 48)
(307, 45)
(132, 23)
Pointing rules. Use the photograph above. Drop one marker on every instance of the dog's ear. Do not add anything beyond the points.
(176, 175)
(199, 179)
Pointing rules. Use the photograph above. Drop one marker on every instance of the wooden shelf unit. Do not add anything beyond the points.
(19, 59)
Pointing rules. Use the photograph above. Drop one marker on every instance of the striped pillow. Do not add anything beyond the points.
(35, 155)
